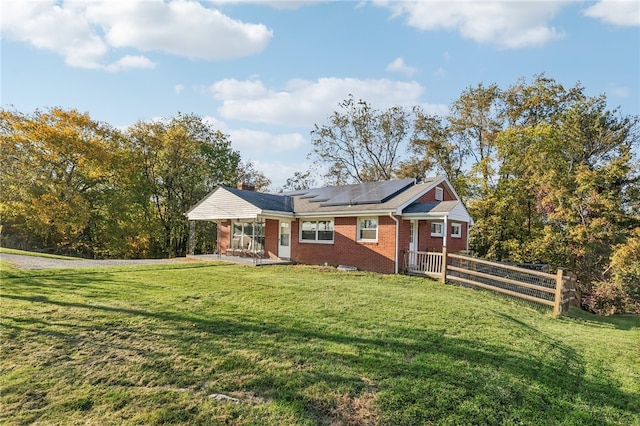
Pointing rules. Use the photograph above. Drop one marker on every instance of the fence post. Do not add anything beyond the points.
(557, 303)
(443, 269)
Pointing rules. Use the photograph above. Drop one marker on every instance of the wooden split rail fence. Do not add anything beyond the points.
(554, 290)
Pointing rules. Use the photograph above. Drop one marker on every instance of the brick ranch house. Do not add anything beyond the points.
(369, 226)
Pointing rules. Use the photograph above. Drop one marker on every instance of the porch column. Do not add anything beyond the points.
(192, 238)
(253, 241)
(445, 234)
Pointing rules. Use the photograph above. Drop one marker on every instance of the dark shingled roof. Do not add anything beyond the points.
(264, 201)
(363, 193)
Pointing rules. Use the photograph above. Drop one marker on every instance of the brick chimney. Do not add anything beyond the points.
(246, 187)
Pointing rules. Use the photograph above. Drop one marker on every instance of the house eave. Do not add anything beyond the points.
(268, 214)
(425, 216)
(352, 213)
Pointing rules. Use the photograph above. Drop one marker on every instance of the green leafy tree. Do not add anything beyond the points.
(361, 144)
(56, 165)
(179, 161)
(620, 291)
(474, 123)
(433, 148)
(581, 187)
(509, 224)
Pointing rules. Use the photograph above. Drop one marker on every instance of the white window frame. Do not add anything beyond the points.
(255, 236)
(456, 230)
(361, 228)
(439, 193)
(412, 225)
(439, 233)
(317, 230)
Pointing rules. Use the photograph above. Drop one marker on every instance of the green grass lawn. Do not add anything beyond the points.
(224, 344)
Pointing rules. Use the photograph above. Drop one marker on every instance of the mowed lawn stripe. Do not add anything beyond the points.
(210, 343)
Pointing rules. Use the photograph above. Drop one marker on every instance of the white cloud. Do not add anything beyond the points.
(399, 66)
(277, 4)
(61, 29)
(84, 33)
(178, 88)
(182, 28)
(235, 89)
(620, 92)
(440, 72)
(616, 12)
(279, 172)
(304, 102)
(256, 146)
(128, 62)
(507, 24)
(258, 142)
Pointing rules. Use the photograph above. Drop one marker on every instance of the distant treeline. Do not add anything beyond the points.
(76, 186)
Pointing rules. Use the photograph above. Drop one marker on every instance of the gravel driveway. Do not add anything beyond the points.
(35, 262)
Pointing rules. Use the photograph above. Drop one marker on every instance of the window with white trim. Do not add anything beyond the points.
(456, 230)
(247, 236)
(316, 231)
(368, 229)
(436, 229)
(412, 226)
(439, 193)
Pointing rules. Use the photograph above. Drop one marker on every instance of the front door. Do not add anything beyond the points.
(284, 240)
(413, 235)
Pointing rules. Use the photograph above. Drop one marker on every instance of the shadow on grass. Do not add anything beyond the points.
(74, 271)
(419, 375)
(620, 321)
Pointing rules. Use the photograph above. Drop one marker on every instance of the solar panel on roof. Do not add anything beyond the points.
(366, 193)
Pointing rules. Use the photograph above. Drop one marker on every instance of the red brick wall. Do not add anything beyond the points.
(428, 243)
(271, 235)
(345, 250)
(225, 236)
(457, 244)
(403, 240)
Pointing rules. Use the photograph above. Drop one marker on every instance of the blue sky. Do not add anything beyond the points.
(265, 72)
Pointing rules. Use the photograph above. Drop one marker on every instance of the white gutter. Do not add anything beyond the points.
(397, 239)
(352, 213)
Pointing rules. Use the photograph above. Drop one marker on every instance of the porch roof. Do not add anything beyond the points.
(454, 210)
(430, 207)
(230, 203)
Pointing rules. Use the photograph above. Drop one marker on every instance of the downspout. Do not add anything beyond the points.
(397, 240)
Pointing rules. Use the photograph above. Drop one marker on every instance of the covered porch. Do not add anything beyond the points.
(250, 225)
(256, 240)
